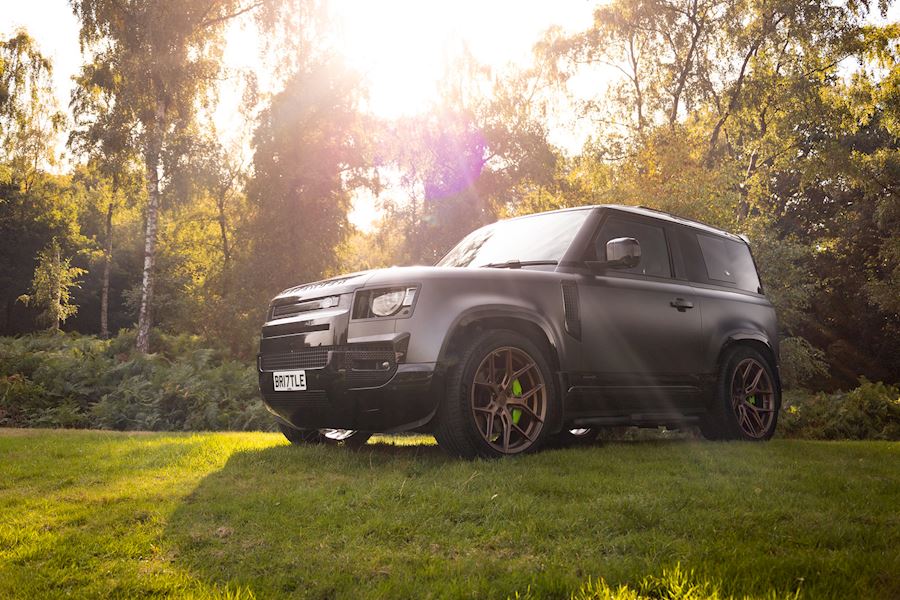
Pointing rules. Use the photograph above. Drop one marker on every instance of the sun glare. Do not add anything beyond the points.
(402, 48)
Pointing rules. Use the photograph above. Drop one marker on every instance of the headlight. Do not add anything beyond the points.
(387, 303)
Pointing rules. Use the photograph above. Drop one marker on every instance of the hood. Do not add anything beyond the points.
(345, 284)
(336, 285)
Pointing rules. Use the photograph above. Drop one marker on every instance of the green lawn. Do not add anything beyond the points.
(241, 515)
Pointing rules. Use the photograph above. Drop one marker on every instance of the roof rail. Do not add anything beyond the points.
(677, 218)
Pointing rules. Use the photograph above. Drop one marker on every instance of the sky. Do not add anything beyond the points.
(399, 45)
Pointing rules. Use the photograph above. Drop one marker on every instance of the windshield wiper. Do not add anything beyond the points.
(518, 264)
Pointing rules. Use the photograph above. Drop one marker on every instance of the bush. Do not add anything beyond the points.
(69, 380)
(869, 412)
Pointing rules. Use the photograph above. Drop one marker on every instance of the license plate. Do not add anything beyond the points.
(289, 381)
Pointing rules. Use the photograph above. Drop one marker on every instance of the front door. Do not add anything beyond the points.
(641, 327)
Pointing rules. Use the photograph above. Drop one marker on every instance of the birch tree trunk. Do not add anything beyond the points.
(151, 160)
(56, 289)
(107, 263)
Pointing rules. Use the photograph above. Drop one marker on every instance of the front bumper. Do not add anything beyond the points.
(352, 386)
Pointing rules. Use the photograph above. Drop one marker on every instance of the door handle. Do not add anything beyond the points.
(681, 304)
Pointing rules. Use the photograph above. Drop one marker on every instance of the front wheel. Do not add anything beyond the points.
(500, 398)
(747, 398)
(349, 438)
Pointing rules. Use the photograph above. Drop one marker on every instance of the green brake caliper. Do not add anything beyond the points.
(517, 393)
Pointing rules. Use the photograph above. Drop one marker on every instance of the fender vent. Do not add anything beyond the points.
(573, 313)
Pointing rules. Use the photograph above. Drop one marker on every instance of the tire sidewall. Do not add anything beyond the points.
(728, 422)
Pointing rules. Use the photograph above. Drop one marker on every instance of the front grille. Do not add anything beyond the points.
(376, 354)
(367, 379)
(316, 358)
(288, 307)
(308, 358)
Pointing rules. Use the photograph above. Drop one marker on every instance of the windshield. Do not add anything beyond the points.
(542, 237)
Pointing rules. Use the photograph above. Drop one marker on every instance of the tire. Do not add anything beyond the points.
(747, 398)
(486, 413)
(336, 437)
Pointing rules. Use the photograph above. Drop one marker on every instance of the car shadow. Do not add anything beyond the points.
(319, 521)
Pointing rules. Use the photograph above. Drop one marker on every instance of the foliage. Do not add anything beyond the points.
(196, 515)
(54, 278)
(151, 64)
(773, 119)
(739, 114)
(801, 363)
(868, 412)
(303, 175)
(29, 118)
(81, 381)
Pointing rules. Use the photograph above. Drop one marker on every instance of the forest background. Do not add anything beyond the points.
(129, 213)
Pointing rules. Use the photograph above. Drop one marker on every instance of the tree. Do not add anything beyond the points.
(310, 152)
(54, 277)
(154, 60)
(737, 113)
(468, 158)
(29, 118)
(102, 135)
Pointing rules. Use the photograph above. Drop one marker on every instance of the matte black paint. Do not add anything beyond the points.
(637, 350)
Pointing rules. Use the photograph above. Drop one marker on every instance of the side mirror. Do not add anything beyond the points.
(621, 253)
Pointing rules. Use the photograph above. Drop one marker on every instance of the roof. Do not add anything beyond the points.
(646, 212)
(659, 214)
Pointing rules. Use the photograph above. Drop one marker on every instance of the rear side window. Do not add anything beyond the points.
(728, 262)
(654, 253)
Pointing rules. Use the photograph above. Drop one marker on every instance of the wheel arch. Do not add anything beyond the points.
(521, 321)
(758, 342)
(514, 319)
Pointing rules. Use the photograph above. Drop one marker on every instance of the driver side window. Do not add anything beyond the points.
(654, 253)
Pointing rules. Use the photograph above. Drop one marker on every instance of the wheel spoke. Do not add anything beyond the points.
(507, 371)
(523, 370)
(746, 372)
(519, 404)
(530, 393)
(756, 422)
(744, 419)
(506, 422)
(487, 384)
(522, 432)
(750, 389)
(489, 423)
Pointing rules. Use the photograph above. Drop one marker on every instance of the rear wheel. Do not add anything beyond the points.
(581, 436)
(349, 438)
(747, 398)
(500, 398)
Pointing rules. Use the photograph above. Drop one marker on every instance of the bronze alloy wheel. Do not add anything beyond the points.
(752, 398)
(509, 400)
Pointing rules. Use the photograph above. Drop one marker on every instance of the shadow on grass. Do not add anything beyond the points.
(401, 520)
(396, 517)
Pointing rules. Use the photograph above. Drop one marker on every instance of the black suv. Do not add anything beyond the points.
(534, 329)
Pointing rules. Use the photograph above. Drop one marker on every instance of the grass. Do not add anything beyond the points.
(244, 514)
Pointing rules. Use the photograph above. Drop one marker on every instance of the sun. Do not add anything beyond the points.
(404, 47)
(400, 47)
